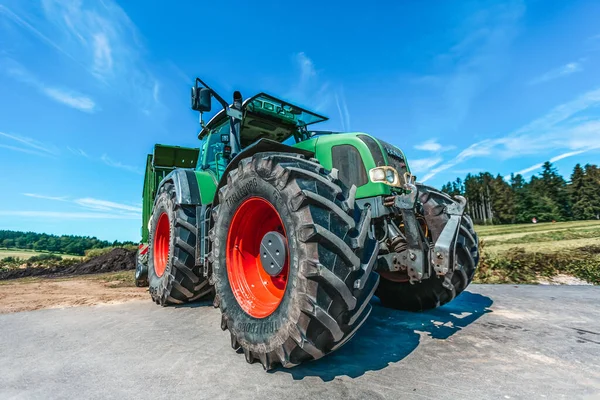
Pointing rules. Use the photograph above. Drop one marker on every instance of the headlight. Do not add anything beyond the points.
(386, 175)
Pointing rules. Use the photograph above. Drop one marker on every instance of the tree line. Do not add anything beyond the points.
(545, 197)
(66, 244)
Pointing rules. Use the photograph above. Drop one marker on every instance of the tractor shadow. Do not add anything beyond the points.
(388, 336)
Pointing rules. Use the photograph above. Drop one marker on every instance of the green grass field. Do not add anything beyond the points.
(527, 252)
(543, 237)
(25, 254)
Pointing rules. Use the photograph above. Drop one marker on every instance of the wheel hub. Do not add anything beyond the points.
(257, 271)
(272, 250)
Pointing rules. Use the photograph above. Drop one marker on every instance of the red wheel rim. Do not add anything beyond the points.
(258, 293)
(162, 242)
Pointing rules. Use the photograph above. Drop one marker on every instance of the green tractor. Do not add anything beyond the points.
(294, 230)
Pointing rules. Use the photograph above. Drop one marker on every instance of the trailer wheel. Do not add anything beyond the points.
(172, 274)
(141, 269)
(292, 260)
(434, 291)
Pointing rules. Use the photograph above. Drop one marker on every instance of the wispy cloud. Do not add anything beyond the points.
(104, 205)
(563, 128)
(309, 87)
(340, 102)
(45, 197)
(458, 76)
(434, 146)
(102, 209)
(78, 152)
(98, 37)
(429, 145)
(563, 71)
(65, 96)
(117, 164)
(553, 159)
(28, 145)
(103, 62)
(314, 90)
(420, 165)
(71, 99)
(67, 215)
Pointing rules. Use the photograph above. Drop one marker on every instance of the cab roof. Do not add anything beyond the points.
(266, 115)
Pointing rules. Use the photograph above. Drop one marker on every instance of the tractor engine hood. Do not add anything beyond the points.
(395, 156)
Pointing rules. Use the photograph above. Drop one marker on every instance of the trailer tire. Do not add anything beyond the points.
(435, 291)
(141, 269)
(329, 260)
(172, 274)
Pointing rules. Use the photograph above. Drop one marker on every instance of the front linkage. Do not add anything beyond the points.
(418, 254)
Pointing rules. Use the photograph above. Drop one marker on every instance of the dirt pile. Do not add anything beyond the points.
(117, 260)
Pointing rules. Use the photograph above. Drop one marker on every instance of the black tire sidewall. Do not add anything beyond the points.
(258, 334)
(158, 284)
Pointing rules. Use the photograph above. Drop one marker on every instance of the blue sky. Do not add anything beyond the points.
(87, 88)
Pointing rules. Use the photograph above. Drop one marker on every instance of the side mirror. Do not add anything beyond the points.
(201, 99)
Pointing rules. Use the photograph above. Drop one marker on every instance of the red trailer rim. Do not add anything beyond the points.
(258, 293)
(162, 242)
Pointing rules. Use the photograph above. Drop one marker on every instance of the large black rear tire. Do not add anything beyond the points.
(435, 291)
(172, 275)
(330, 255)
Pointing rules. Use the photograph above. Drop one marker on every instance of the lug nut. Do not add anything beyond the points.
(413, 256)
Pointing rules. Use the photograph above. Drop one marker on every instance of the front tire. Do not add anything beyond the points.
(435, 291)
(321, 297)
(172, 275)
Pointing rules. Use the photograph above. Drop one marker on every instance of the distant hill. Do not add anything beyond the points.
(66, 244)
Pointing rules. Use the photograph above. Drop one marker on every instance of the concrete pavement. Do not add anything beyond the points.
(491, 342)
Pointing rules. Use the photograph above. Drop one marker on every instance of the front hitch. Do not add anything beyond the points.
(419, 251)
(444, 251)
(416, 255)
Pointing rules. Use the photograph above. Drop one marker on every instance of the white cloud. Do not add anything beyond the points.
(105, 205)
(475, 62)
(560, 72)
(562, 128)
(81, 103)
(429, 145)
(423, 164)
(340, 102)
(117, 164)
(78, 152)
(310, 89)
(103, 62)
(41, 196)
(552, 160)
(67, 215)
(307, 68)
(434, 146)
(65, 96)
(527, 170)
(98, 37)
(104, 208)
(32, 146)
(565, 155)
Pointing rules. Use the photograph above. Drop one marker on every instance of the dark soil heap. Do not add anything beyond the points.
(117, 260)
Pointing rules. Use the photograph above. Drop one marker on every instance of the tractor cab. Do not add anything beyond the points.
(263, 117)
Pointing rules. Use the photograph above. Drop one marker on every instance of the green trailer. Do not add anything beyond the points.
(292, 230)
